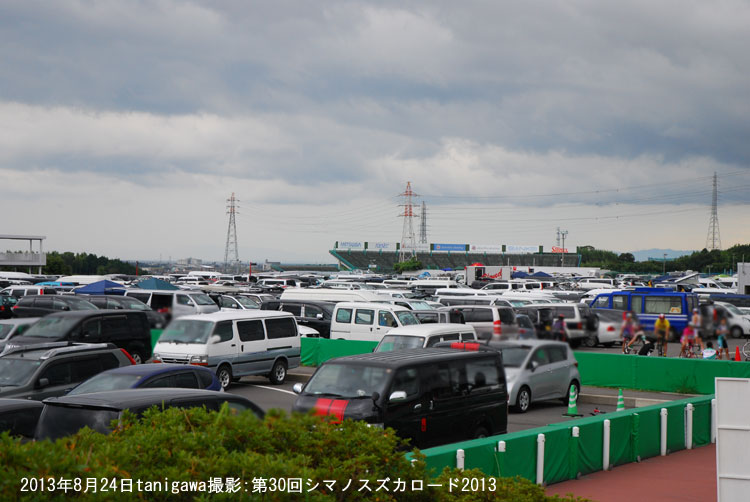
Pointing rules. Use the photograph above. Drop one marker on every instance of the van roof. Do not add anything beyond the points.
(372, 305)
(397, 358)
(431, 329)
(231, 316)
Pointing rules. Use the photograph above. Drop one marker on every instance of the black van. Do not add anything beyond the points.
(431, 396)
(127, 329)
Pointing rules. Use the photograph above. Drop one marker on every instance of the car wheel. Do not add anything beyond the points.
(480, 432)
(523, 400)
(224, 374)
(278, 372)
(736, 332)
(590, 341)
(137, 355)
(566, 398)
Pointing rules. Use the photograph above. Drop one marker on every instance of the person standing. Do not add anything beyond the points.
(722, 347)
(559, 329)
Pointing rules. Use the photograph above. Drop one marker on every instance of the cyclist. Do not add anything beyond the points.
(722, 347)
(689, 338)
(627, 332)
(559, 330)
(661, 331)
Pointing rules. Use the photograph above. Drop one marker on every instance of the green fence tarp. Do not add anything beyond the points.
(633, 433)
(315, 351)
(649, 435)
(660, 374)
(702, 424)
(620, 438)
(155, 334)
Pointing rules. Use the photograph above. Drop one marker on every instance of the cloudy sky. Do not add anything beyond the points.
(127, 124)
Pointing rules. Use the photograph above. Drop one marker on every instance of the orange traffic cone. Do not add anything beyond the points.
(737, 354)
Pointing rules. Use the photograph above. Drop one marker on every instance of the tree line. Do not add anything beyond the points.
(705, 261)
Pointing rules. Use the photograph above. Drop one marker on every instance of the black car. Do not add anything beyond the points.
(128, 329)
(19, 416)
(52, 369)
(316, 315)
(42, 305)
(7, 303)
(66, 415)
(431, 396)
(117, 302)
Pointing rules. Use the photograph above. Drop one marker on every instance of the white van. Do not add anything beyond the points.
(425, 335)
(332, 295)
(23, 290)
(176, 303)
(368, 321)
(233, 344)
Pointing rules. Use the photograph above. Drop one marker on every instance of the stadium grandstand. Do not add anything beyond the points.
(372, 256)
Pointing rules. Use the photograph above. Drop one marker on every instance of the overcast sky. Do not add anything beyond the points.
(127, 124)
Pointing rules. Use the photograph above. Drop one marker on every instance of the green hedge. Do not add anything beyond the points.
(180, 446)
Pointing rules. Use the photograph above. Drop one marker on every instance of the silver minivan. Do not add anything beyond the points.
(425, 335)
(175, 303)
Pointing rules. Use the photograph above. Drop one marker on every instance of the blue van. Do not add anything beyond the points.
(648, 303)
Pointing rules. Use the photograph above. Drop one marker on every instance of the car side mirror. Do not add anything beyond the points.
(215, 339)
(42, 383)
(398, 395)
(319, 316)
(65, 307)
(297, 388)
(534, 365)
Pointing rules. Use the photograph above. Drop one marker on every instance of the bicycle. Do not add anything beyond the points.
(746, 350)
(646, 349)
(693, 350)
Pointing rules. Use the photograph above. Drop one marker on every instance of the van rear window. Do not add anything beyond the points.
(283, 327)
(663, 305)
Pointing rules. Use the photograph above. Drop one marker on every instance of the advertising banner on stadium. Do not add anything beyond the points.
(422, 248)
(459, 248)
(486, 248)
(558, 249)
(515, 249)
(351, 245)
(382, 246)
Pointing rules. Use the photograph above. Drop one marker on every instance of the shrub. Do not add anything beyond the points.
(193, 445)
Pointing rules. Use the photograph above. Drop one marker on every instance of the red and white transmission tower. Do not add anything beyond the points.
(408, 241)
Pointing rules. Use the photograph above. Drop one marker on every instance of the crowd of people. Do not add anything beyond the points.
(691, 341)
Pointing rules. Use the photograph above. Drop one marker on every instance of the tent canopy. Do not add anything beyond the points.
(519, 275)
(541, 274)
(104, 287)
(153, 283)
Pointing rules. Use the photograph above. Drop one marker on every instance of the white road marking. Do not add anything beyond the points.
(274, 388)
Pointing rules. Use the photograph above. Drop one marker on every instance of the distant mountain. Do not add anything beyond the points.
(645, 254)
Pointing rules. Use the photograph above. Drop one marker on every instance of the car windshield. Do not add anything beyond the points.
(398, 342)
(348, 380)
(609, 315)
(132, 304)
(5, 329)
(60, 421)
(247, 302)
(185, 331)
(106, 381)
(415, 305)
(15, 371)
(202, 299)
(407, 318)
(734, 310)
(514, 357)
(51, 327)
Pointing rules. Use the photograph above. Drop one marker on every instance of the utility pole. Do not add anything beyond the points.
(713, 239)
(563, 234)
(231, 247)
(664, 265)
(408, 242)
